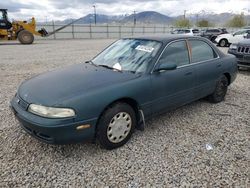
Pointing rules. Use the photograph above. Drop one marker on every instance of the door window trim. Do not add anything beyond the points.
(177, 40)
(189, 46)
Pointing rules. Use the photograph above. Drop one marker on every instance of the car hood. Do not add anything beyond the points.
(53, 87)
(244, 42)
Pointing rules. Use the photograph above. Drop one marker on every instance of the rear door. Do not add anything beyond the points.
(207, 66)
(173, 88)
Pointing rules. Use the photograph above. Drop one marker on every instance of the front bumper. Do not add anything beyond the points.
(53, 131)
(243, 60)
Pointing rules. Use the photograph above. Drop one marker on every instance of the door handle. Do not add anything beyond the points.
(219, 65)
(188, 73)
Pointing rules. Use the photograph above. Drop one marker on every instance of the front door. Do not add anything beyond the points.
(238, 36)
(173, 88)
(4, 23)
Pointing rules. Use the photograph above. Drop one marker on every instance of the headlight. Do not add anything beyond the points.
(51, 112)
(233, 46)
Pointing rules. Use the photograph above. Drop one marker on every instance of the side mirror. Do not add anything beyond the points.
(166, 66)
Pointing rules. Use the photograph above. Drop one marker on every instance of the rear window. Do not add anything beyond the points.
(213, 30)
(195, 31)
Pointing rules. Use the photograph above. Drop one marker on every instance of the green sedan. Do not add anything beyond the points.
(132, 80)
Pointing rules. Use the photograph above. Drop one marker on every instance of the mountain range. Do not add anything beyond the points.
(151, 18)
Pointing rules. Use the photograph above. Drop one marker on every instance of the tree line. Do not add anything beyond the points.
(236, 21)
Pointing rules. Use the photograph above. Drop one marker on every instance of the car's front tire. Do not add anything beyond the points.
(220, 90)
(116, 126)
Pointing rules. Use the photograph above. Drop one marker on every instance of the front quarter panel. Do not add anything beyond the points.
(92, 104)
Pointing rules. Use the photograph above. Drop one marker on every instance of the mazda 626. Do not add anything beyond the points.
(133, 79)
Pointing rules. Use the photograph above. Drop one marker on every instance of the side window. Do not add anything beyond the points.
(239, 32)
(177, 53)
(201, 51)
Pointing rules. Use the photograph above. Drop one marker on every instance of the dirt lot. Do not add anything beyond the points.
(171, 152)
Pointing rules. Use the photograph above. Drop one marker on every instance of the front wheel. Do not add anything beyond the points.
(116, 126)
(220, 90)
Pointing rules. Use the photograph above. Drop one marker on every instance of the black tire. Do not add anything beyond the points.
(223, 43)
(105, 138)
(25, 37)
(220, 90)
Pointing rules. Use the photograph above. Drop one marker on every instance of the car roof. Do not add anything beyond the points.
(165, 38)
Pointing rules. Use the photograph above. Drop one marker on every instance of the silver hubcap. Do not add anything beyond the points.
(223, 43)
(119, 127)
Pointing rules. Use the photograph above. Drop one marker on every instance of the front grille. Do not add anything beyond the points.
(38, 134)
(243, 49)
(244, 63)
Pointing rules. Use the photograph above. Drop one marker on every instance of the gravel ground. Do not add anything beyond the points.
(171, 152)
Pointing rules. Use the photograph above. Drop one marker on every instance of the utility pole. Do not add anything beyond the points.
(94, 13)
(197, 18)
(134, 18)
(185, 14)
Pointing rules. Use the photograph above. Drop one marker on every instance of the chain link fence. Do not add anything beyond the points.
(90, 31)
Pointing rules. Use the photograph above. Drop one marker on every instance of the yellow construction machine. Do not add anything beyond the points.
(22, 30)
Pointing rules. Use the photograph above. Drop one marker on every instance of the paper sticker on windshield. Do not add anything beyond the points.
(144, 48)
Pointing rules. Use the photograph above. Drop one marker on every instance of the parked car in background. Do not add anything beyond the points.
(242, 52)
(189, 32)
(131, 80)
(227, 39)
(211, 34)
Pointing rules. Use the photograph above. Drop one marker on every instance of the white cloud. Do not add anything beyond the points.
(60, 10)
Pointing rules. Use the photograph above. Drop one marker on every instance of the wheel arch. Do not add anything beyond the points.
(128, 100)
(228, 76)
(224, 39)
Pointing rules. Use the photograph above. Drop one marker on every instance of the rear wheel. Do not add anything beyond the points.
(223, 43)
(220, 90)
(25, 37)
(116, 126)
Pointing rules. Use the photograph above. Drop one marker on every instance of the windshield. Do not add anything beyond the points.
(132, 55)
(241, 32)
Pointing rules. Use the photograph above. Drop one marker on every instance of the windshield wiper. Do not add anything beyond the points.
(91, 62)
(108, 67)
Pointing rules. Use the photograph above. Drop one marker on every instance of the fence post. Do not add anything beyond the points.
(143, 29)
(73, 31)
(53, 26)
(132, 30)
(164, 29)
(107, 30)
(90, 31)
(120, 32)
